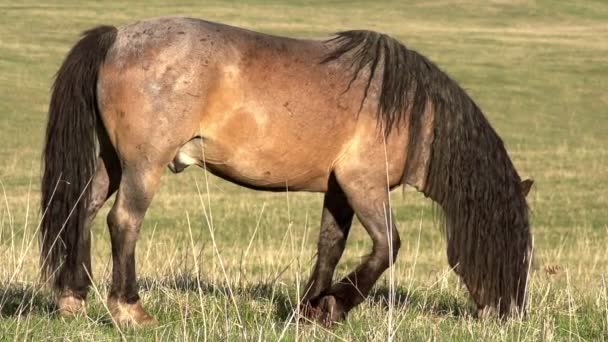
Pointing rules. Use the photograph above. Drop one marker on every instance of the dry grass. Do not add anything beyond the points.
(221, 262)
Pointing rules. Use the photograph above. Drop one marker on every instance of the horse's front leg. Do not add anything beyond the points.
(336, 220)
(137, 187)
(369, 199)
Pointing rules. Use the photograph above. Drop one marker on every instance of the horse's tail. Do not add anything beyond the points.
(70, 151)
(472, 178)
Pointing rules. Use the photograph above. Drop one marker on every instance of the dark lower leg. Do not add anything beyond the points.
(75, 276)
(354, 288)
(335, 224)
(376, 217)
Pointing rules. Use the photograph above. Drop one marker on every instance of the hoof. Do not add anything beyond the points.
(69, 305)
(308, 312)
(325, 311)
(130, 315)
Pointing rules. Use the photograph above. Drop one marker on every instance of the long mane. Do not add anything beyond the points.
(470, 174)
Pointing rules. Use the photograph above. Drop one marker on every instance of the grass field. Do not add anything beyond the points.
(220, 262)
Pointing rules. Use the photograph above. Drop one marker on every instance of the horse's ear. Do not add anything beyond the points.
(526, 186)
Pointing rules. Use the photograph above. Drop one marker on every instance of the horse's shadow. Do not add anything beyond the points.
(421, 302)
(267, 291)
(432, 304)
(24, 299)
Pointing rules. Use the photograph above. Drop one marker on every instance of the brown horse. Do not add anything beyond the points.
(353, 117)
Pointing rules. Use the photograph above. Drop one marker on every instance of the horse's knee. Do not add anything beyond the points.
(386, 253)
(122, 221)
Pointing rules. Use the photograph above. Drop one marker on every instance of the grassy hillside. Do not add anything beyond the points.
(218, 261)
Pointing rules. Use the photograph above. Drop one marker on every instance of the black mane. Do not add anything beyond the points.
(404, 77)
(470, 174)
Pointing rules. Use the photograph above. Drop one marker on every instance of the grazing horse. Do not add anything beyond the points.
(352, 116)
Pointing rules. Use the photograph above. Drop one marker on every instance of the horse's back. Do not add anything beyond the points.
(269, 112)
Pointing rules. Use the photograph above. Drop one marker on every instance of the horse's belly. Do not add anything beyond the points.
(251, 166)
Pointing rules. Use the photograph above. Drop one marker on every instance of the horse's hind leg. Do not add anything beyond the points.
(368, 196)
(336, 220)
(74, 280)
(138, 184)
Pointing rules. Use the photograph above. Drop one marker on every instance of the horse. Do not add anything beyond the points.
(352, 116)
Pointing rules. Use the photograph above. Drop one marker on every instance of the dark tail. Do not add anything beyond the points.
(70, 151)
(469, 174)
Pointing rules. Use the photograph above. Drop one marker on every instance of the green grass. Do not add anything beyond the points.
(227, 263)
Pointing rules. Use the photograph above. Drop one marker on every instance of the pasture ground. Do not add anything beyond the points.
(220, 262)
